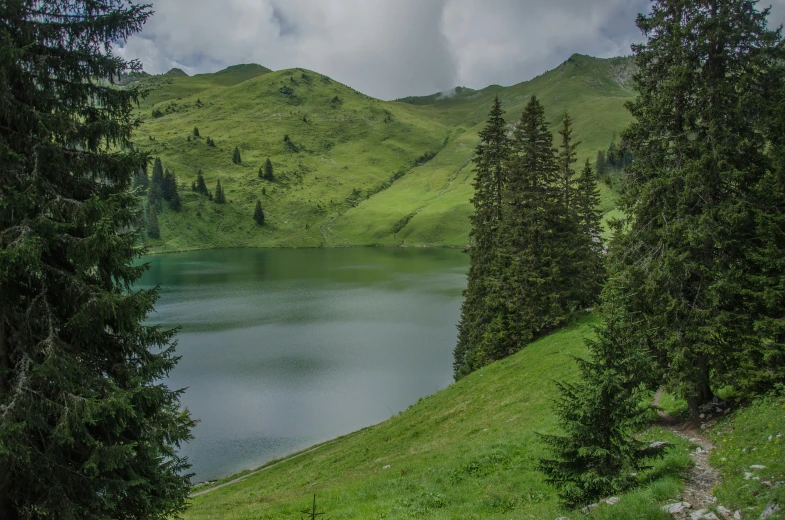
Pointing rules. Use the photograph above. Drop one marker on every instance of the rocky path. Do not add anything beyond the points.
(697, 501)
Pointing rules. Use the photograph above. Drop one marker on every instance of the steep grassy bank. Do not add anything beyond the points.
(355, 170)
(468, 451)
(752, 437)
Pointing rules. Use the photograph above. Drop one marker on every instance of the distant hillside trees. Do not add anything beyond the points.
(266, 170)
(529, 249)
(210, 141)
(154, 197)
(289, 144)
(153, 230)
(219, 197)
(258, 213)
(163, 186)
(196, 132)
(141, 179)
(199, 186)
(612, 161)
(236, 159)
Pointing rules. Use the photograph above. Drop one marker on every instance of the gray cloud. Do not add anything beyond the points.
(390, 48)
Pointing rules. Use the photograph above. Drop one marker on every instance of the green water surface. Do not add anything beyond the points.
(282, 348)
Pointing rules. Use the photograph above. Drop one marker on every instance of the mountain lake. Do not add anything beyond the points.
(285, 348)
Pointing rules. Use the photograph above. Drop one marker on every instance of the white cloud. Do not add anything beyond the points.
(390, 48)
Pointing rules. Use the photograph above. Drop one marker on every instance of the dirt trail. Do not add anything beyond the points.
(701, 477)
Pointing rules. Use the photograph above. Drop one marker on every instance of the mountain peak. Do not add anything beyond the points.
(175, 72)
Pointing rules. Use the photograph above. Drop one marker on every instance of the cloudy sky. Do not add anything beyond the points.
(390, 48)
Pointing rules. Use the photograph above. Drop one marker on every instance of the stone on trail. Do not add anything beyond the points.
(699, 514)
(757, 466)
(724, 511)
(658, 444)
(612, 500)
(678, 507)
(770, 510)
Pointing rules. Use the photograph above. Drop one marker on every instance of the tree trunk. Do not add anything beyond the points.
(701, 390)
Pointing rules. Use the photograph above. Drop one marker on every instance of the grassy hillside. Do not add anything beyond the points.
(356, 170)
(468, 451)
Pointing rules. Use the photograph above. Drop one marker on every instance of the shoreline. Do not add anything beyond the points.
(176, 251)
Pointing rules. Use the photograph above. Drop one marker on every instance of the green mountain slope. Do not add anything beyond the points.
(468, 451)
(355, 170)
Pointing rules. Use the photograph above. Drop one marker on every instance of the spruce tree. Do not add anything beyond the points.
(580, 260)
(599, 455)
(567, 157)
(531, 244)
(588, 268)
(491, 156)
(158, 172)
(141, 179)
(601, 165)
(154, 196)
(153, 230)
(587, 202)
(236, 156)
(88, 428)
(168, 186)
(258, 213)
(692, 247)
(268, 170)
(196, 132)
(174, 201)
(201, 186)
(219, 197)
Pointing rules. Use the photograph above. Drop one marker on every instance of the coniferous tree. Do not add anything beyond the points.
(158, 172)
(587, 202)
(168, 186)
(600, 414)
(88, 429)
(258, 213)
(196, 132)
(219, 197)
(236, 156)
(601, 165)
(588, 268)
(567, 157)
(693, 243)
(174, 201)
(154, 196)
(153, 230)
(201, 186)
(141, 179)
(529, 301)
(578, 273)
(491, 156)
(268, 170)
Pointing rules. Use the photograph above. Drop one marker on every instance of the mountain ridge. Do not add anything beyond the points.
(356, 170)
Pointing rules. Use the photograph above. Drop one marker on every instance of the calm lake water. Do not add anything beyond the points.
(283, 348)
